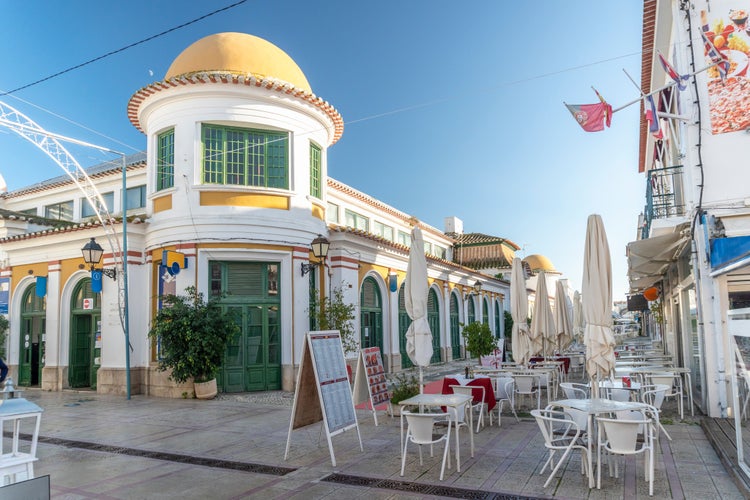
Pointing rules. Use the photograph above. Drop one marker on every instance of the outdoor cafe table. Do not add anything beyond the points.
(478, 381)
(684, 372)
(594, 407)
(440, 400)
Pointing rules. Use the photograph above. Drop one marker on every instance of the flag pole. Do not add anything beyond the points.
(662, 88)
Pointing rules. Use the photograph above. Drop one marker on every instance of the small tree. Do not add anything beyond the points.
(4, 325)
(479, 339)
(193, 334)
(332, 313)
(508, 330)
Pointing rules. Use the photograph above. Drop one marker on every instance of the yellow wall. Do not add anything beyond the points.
(163, 203)
(228, 198)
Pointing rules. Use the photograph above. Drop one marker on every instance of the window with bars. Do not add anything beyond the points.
(59, 211)
(357, 221)
(315, 171)
(245, 157)
(165, 160)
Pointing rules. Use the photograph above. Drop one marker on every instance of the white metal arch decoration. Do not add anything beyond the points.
(48, 142)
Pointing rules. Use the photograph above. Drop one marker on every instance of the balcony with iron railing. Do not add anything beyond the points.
(664, 197)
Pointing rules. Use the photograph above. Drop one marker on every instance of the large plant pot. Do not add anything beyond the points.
(205, 390)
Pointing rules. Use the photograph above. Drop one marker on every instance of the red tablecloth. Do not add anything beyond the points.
(486, 382)
(565, 360)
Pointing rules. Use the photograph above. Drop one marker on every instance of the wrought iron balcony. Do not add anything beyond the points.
(664, 196)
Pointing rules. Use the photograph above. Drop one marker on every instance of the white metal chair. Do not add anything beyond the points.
(420, 431)
(480, 407)
(653, 395)
(560, 433)
(504, 389)
(614, 393)
(573, 390)
(674, 383)
(620, 437)
(527, 385)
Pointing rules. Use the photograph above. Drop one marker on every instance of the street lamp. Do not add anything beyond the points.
(92, 255)
(320, 251)
(476, 290)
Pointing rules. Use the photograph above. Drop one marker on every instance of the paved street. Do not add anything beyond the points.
(95, 446)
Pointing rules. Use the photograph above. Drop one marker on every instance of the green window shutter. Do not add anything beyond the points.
(315, 171)
(165, 160)
(245, 279)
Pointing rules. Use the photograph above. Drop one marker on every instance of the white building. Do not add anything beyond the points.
(235, 179)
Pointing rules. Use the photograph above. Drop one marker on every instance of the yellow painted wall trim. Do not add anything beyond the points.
(318, 212)
(163, 203)
(228, 198)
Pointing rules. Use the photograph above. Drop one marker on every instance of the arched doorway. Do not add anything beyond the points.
(33, 328)
(371, 315)
(470, 314)
(455, 330)
(485, 312)
(403, 325)
(498, 325)
(85, 336)
(433, 318)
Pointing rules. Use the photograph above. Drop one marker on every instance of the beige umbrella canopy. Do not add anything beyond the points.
(563, 321)
(419, 335)
(597, 303)
(519, 311)
(543, 331)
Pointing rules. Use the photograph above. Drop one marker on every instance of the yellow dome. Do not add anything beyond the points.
(538, 262)
(238, 53)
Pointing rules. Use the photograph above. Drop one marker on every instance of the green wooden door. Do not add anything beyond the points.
(33, 328)
(403, 325)
(455, 330)
(84, 324)
(371, 315)
(433, 318)
(252, 360)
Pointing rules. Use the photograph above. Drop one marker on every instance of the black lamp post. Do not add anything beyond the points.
(320, 251)
(92, 255)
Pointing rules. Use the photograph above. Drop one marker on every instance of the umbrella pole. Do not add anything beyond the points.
(421, 380)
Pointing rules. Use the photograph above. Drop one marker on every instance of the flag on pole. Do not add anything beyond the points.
(721, 62)
(673, 74)
(652, 118)
(592, 117)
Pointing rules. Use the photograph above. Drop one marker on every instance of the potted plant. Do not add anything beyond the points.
(404, 386)
(479, 340)
(193, 334)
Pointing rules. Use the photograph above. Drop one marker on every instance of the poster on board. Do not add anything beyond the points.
(369, 380)
(323, 391)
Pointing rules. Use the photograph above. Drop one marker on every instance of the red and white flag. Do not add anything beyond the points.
(592, 117)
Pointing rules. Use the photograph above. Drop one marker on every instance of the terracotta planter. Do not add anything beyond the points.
(205, 390)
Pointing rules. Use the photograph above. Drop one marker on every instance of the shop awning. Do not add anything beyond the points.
(728, 254)
(649, 259)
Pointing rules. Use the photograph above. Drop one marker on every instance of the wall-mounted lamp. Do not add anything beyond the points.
(92, 255)
(476, 290)
(320, 251)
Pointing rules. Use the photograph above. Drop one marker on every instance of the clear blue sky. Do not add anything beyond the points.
(451, 108)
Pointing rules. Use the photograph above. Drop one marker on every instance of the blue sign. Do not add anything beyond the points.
(41, 286)
(4, 295)
(96, 280)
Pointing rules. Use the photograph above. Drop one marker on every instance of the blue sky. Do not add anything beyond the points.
(451, 108)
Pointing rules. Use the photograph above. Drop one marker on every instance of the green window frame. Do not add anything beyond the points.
(316, 161)
(59, 211)
(165, 160)
(245, 157)
(109, 202)
(357, 221)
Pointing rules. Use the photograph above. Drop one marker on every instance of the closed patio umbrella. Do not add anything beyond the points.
(597, 304)
(563, 321)
(418, 336)
(543, 334)
(519, 311)
(577, 317)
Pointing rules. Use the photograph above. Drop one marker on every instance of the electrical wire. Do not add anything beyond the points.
(122, 49)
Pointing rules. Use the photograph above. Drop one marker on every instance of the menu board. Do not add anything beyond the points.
(323, 391)
(369, 380)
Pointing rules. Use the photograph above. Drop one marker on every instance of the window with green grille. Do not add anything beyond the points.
(165, 160)
(357, 221)
(315, 171)
(245, 157)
